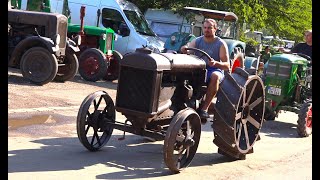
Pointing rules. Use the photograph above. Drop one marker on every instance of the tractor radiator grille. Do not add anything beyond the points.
(284, 70)
(109, 41)
(271, 70)
(136, 89)
(62, 28)
(281, 70)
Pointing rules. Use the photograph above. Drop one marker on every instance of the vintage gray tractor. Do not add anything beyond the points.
(38, 45)
(159, 94)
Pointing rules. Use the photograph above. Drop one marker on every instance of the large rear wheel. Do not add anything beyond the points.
(239, 114)
(39, 65)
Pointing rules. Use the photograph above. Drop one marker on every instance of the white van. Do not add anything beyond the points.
(165, 22)
(122, 16)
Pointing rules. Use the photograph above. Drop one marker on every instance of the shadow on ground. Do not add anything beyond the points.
(135, 156)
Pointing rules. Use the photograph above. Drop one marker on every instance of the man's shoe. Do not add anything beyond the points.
(204, 116)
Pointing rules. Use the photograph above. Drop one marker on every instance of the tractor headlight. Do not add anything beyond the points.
(56, 39)
(104, 36)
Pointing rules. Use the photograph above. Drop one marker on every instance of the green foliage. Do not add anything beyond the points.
(285, 18)
(249, 41)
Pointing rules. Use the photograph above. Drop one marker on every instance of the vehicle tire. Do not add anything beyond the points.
(39, 65)
(304, 128)
(113, 68)
(69, 68)
(92, 64)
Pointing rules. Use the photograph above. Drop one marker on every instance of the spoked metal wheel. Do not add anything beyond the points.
(94, 121)
(305, 120)
(239, 113)
(182, 140)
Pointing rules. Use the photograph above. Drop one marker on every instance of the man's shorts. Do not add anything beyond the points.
(219, 72)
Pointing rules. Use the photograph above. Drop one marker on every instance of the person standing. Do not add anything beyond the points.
(266, 54)
(305, 47)
(216, 65)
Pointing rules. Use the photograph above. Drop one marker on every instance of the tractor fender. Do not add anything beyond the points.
(27, 43)
(72, 45)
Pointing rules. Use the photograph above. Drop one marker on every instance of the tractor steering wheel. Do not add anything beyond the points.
(202, 52)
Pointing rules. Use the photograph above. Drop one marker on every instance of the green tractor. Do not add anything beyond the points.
(288, 83)
(97, 57)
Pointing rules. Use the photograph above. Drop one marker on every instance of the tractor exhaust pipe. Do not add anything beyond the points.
(82, 14)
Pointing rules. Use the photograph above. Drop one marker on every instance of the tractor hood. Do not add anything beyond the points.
(154, 42)
(289, 58)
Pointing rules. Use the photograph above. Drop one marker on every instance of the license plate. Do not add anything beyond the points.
(274, 91)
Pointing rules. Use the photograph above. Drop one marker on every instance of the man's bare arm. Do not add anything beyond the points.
(191, 44)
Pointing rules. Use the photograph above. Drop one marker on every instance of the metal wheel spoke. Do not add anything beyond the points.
(188, 130)
(239, 132)
(253, 122)
(180, 155)
(88, 113)
(97, 105)
(106, 108)
(246, 135)
(180, 138)
(92, 139)
(191, 135)
(238, 115)
(98, 138)
(244, 98)
(252, 90)
(255, 103)
(86, 131)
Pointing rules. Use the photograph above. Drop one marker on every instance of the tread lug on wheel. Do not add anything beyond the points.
(305, 120)
(182, 140)
(94, 121)
(239, 113)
